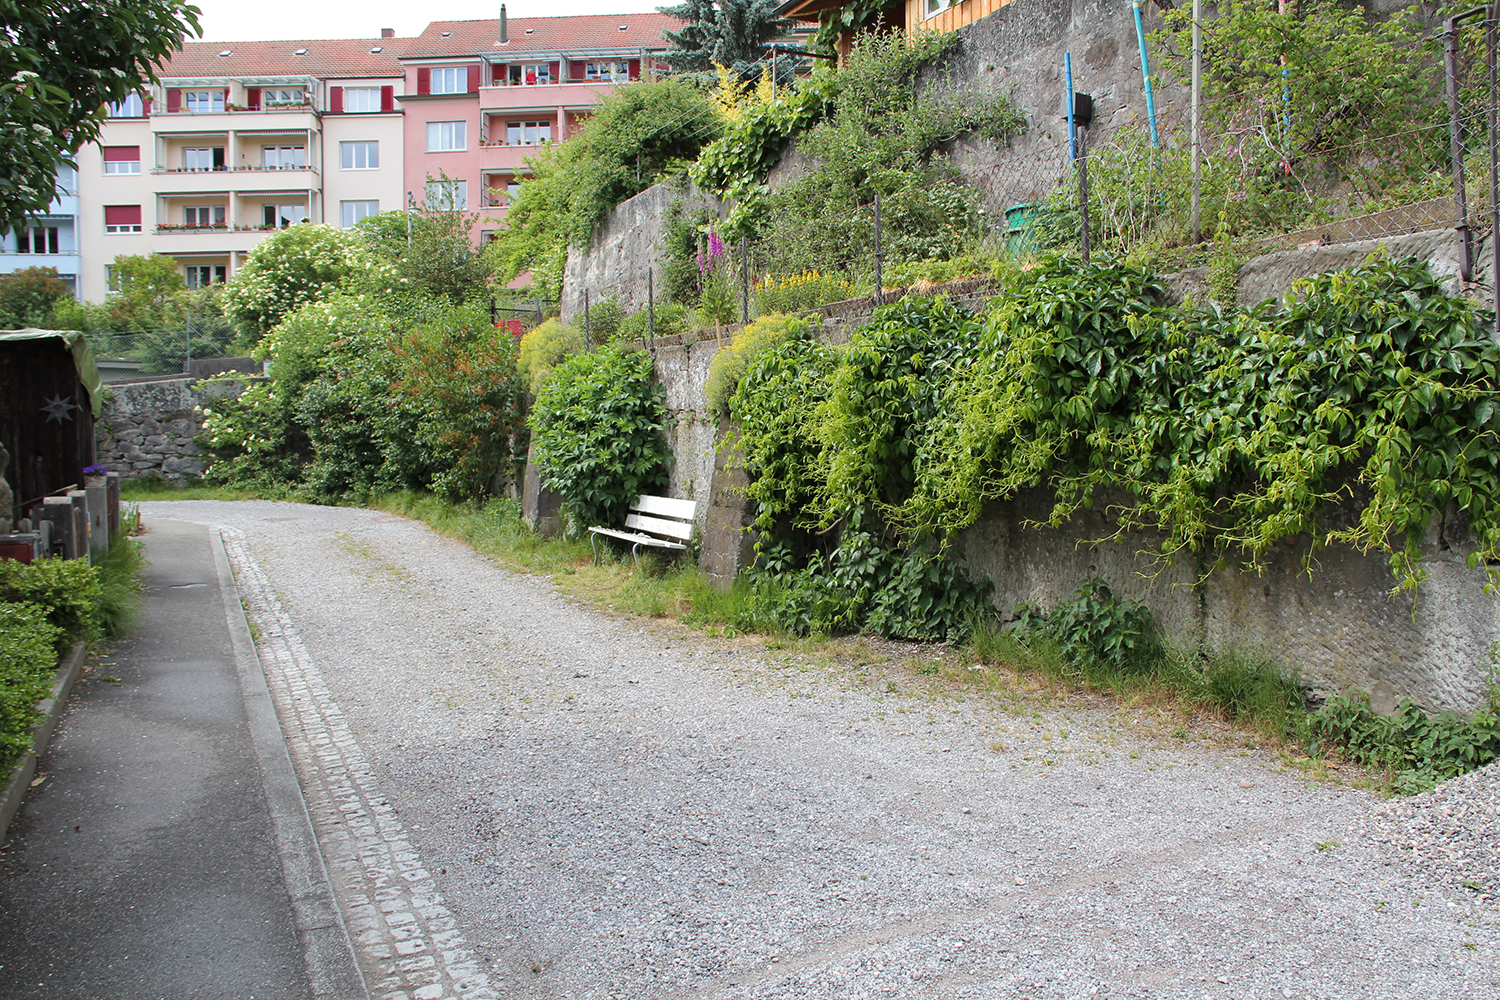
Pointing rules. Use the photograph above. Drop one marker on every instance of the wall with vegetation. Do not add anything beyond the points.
(148, 428)
(625, 244)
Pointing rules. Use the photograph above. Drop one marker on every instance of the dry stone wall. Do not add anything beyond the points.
(147, 429)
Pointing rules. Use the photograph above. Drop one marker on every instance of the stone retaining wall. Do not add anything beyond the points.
(147, 429)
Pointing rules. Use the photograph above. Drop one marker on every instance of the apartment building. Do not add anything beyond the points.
(240, 139)
(482, 96)
(51, 240)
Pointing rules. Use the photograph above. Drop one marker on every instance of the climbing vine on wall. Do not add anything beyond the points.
(1353, 413)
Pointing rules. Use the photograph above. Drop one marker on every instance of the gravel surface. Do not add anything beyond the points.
(597, 807)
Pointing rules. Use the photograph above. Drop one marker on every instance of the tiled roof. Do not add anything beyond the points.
(329, 58)
(543, 34)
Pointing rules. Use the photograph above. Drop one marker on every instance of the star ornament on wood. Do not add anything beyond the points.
(59, 408)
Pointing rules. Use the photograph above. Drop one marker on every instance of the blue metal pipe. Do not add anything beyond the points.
(1140, 36)
(1068, 101)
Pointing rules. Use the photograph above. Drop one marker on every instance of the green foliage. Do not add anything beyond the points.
(848, 21)
(879, 138)
(604, 319)
(1419, 750)
(28, 657)
(597, 430)
(1226, 432)
(727, 367)
(729, 33)
(120, 582)
(638, 134)
(67, 591)
(668, 319)
(304, 263)
(357, 403)
(60, 64)
(544, 348)
(806, 290)
(149, 289)
(431, 251)
(28, 295)
(682, 244)
(863, 585)
(1097, 631)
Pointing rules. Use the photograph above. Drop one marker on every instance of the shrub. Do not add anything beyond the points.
(544, 348)
(597, 433)
(66, 589)
(28, 655)
(728, 366)
(800, 292)
(302, 264)
(28, 296)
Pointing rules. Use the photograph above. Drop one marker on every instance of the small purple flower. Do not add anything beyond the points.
(95, 470)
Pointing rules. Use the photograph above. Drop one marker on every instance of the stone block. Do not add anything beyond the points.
(540, 507)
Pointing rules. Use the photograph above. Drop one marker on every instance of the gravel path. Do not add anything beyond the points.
(534, 800)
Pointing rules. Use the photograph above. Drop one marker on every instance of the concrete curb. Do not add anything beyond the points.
(68, 670)
(327, 953)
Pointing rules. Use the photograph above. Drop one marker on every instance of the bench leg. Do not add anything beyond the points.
(594, 544)
(635, 553)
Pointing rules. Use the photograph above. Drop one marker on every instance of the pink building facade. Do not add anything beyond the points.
(483, 97)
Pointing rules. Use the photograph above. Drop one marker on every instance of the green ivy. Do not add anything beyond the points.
(597, 434)
(28, 657)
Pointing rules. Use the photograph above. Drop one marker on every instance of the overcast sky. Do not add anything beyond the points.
(237, 21)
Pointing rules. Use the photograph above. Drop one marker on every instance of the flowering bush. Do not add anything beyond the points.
(801, 292)
(305, 263)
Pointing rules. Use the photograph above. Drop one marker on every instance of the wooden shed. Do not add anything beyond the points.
(49, 398)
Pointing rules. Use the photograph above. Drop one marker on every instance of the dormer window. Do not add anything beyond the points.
(226, 52)
(377, 50)
(300, 52)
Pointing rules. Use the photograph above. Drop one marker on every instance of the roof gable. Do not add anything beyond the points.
(591, 32)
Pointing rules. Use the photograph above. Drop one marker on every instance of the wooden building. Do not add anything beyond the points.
(49, 398)
(912, 16)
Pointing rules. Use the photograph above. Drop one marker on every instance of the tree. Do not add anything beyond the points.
(430, 250)
(61, 62)
(305, 263)
(27, 296)
(149, 288)
(730, 33)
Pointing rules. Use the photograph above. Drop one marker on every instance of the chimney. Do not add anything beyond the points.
(387, 32)
(504, 38)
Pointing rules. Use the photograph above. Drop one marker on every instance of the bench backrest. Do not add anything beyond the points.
(663, 516)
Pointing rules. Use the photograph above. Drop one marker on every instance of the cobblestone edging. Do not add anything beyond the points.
(407, 941)
(52, 709)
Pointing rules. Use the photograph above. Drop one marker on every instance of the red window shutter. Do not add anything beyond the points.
(122, 154)
(473, 79)
(252, 98)
(556, 73)
(387, 98)
(424, 80)
(122, 215)
(174, 100)
(577, 70)
(336, 100)
(635, 69)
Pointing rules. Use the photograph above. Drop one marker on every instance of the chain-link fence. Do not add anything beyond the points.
(125, 357)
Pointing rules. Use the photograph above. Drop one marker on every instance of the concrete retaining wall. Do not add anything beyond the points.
(147, 428)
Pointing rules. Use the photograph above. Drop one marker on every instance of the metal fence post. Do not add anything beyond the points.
(1193, 224)
(587, 337)
(187, 362)
(651, 310)
(1083, 190)
(879, 281)
(745, 280)
(1455, 143)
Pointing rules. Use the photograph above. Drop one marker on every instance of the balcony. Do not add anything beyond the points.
(296, 118)
(247, 178)
(199, 241)
(65, 263)
(568, 94)
(500, 156)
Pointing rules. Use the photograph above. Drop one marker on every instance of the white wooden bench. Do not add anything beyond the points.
(657, 522)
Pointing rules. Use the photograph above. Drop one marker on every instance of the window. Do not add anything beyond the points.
(932, 7)
(531, 74)
(200, 102)
(131, 107)
(204, 215)
(203, 158)
(361, 98)
(283, 157)
(37, 239)
(527, 133)
(282, 216)
(359, 155)
(203, 275)
(606, 71)
(122, 159)
(122, 218)
(111, 279)
(352, 212)
(450, 80)
(447, 136)
(448, 195)
(275, 98)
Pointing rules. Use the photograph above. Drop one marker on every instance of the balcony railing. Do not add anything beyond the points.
(159, 108)
(190, 227)
(243, 168)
